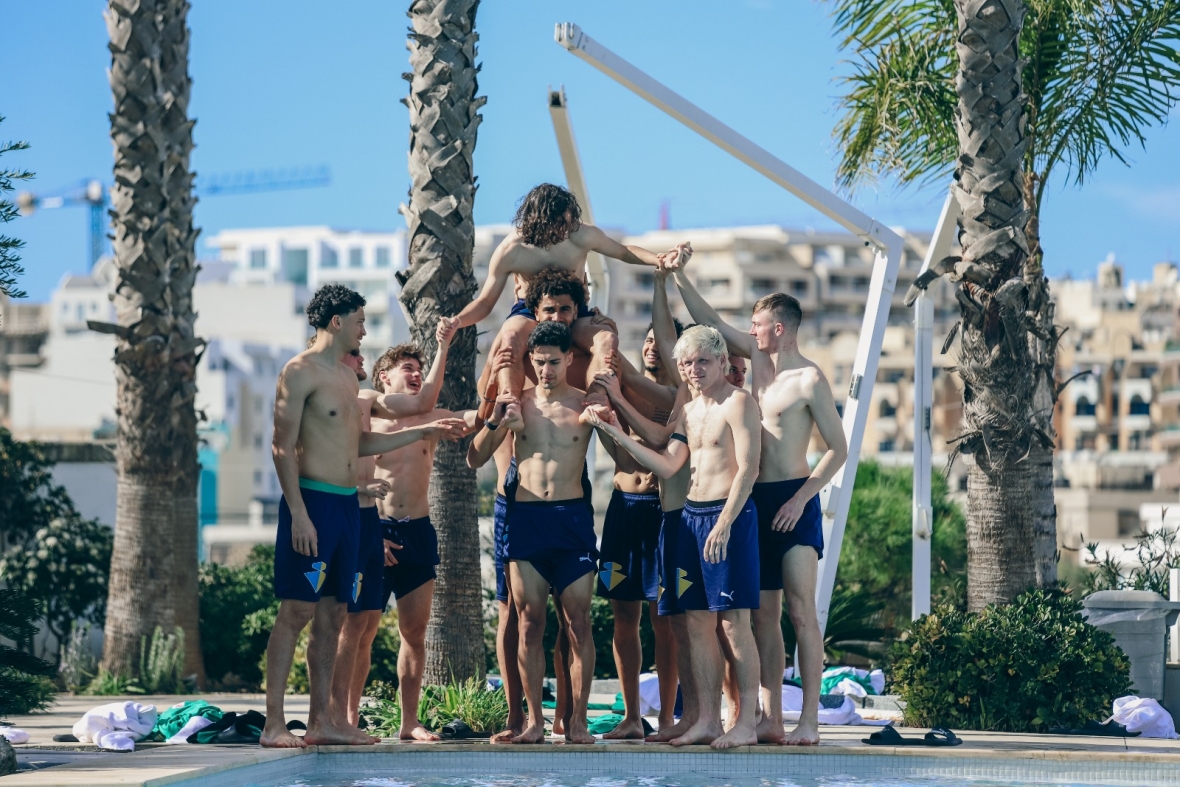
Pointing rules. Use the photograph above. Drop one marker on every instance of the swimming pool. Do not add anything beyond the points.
(770, 767)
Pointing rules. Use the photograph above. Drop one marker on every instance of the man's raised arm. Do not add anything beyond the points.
(493, 433)
(652, 433)
(493, 287)
(391, 406)
(373, 443)
(594, 239)
(740, 343)
(290, 397)
(663, 327)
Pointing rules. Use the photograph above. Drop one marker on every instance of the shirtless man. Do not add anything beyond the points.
(716, 576)
(356, 640)
(549, 530)
(552, 295)
(548, 233)
(795, 398)
(629, 568)
(317, 440)
(736, 374)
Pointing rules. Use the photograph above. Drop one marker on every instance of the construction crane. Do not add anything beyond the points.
(95, 194)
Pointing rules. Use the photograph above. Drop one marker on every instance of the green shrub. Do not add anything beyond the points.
(238, 606)
(110, 684)
(1021, 667)
(161, 662)
(24, 682)
(469, 701)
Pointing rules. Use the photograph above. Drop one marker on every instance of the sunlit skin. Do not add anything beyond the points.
(735, 375)
(795, 399)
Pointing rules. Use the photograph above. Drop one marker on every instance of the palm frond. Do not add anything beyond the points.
(1118, 73)
(897, 112)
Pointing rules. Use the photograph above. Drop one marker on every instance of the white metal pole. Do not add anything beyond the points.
(596, 268)
(835, 498)
(923, 510)
(1173, 595)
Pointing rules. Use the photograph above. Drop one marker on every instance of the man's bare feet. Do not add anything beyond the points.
(559, 727)
(628, 730)
(337, 736)
(533, 734)
(417, 733)
(769, 730)
(576, 732)
(738, 735)
(804, 734)
(668, 733)
(279, 737)
(701, 732)
(505, 736)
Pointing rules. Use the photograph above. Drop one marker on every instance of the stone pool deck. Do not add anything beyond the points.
(47, 763)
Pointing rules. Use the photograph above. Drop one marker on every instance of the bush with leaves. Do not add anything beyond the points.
(77, 666)
(65, 566)
(24, 681)
(238, 606)
(469, 701)
(1155, 553)
(1021, 667)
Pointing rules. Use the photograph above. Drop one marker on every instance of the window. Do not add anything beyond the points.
(258, 441)
(356, 257)
(799, 289)
(894, 376)
(257, 478)
(962, 483)
(885, 446)
(715, 284)
(763, 286)
(1083, 407)
(382, 256)
(79, 312)
(1129, 524)
(1139, 407)
(643, 308)
(295, 266)
(329, 258)
(644, 280)
(886, 409)
(257, 259)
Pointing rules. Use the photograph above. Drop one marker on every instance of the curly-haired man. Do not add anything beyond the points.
(319, 436)
(548, 232)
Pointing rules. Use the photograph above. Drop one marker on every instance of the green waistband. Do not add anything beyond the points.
(320, 486)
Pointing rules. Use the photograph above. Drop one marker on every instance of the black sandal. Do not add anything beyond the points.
(941, 736)
(887, 736)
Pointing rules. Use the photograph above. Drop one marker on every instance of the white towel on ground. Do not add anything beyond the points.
(649, 694)
(14, 735)
(793, 706)
(116, 726)
(1144, 715)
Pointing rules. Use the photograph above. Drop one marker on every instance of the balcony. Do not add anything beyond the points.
(1084, 423)
(1169, 436)
(1169, 396)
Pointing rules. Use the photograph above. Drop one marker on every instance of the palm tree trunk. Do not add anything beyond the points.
(186, 347)
(1042, 346)
(444, 118)
(150, 88)
(996, 364)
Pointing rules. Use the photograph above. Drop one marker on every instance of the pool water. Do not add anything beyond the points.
(685, 780)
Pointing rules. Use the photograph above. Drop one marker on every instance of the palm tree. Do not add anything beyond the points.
(1008, 93)
(155, 352)
(444, 118)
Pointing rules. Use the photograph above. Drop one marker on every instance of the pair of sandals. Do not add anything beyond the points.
(888, 736)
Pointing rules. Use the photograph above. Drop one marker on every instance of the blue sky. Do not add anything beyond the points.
(282, 83)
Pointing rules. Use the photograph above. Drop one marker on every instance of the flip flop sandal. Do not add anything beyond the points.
(887, 736)
(941, 736)
(1110, 729)
(459, 730)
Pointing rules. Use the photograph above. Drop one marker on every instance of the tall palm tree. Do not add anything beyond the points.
(1008, 94)
(155, 352)
(444, 119)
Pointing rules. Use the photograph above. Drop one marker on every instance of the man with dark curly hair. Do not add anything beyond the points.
(318, 438)
(548, 233)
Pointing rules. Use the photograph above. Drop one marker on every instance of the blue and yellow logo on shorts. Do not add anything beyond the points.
(356, 586)
(317, 575)
(611, 575)
(682, 584)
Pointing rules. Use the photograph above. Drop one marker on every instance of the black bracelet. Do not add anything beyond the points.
(491, 427)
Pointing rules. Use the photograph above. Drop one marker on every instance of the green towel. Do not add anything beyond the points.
(619, 706)
(172, 720)
(605, 723)
(833, 676)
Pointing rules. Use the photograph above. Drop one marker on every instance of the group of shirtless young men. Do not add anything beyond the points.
(713, 493)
